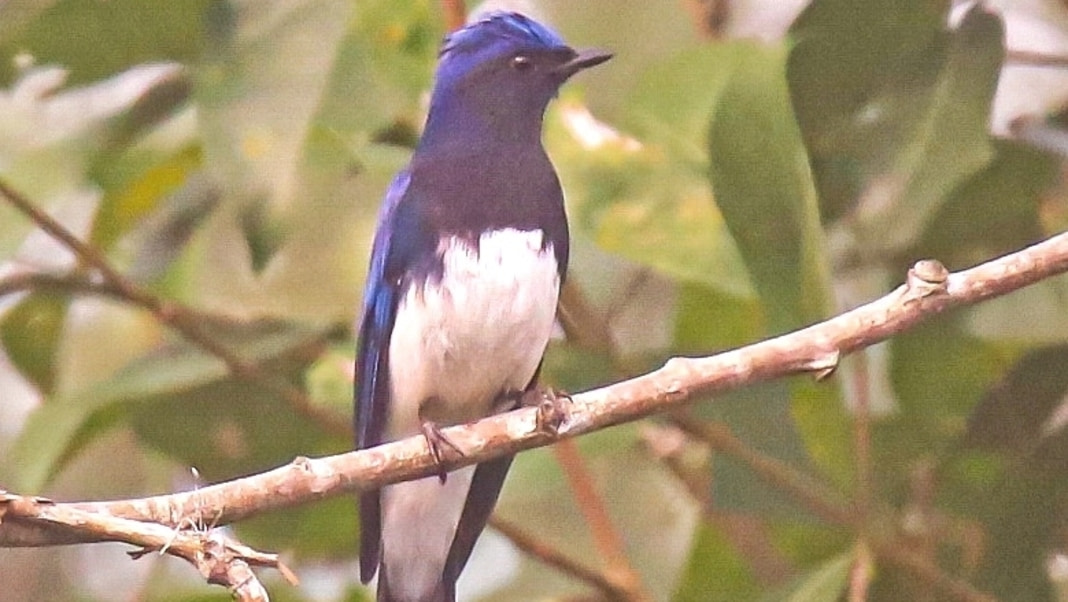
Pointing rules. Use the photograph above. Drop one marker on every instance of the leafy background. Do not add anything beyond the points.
(733, 173)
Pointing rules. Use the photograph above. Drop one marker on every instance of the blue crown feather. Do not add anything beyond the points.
(500, 25)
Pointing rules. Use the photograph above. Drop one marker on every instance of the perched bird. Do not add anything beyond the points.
(465, 274)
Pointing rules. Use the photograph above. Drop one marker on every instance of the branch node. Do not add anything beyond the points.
(824, 365)
(676, 387)
(925, 278)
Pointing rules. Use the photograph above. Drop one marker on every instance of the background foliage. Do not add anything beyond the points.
(230, 157)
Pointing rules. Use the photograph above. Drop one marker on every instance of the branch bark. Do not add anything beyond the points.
(929, 290)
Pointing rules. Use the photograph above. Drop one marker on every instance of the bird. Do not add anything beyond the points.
(467, 262)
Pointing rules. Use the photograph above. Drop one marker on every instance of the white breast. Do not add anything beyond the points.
(478, 332)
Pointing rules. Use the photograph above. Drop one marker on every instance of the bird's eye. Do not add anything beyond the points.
(521, 62)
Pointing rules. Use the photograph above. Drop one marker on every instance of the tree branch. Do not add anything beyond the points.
(929, 290)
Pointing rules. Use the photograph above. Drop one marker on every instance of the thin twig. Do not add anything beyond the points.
(931, 573)
(860, 574)
(818, 500)
(547, 554)
(815, 498)
(455, 14)
(184, 320)
(605, 535)
(862, 434)
(73, 284)
(1036, 59)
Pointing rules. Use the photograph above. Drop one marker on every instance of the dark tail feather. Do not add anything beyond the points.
(482, 497)
(370, 534)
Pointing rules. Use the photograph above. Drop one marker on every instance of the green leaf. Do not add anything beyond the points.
(1045, 304)
(301, 175)
(826, 583)
(855, 85)
(715, 571)
(643, 205)
(135, 186)
(763, 187)
(658, 518)
(1020, 514)
(760, 416)
(184, 400)
(329, 380)
(895, 112)
(648, 198)
(323, 530)
(97, 39)
(707, 320)
(30, 332)
(995, 212)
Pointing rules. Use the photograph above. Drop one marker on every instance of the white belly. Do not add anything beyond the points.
(459, 343)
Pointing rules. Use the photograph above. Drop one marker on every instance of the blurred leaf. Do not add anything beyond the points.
(648, 199)
(715, 571)
(57, 429)
(227, 427)
(938, 372)
(904, 96)
(265, 73)
(825, 426)
(994, 212)
(760, 416)
(1016, 412)
(30, 332)
(324, 530)
(1021, 515)
(657, 518)
(845, 61)
(138, 188)
(575, 369)
(97, 39)
(939, 375)
(810, 544)
(266, 68)
(328, 381)
(1045, 304)
(642, 205)
(672, 102)
(707, 320)
(764, 189)
(381, 67)
(154, 107)
(826, 583)
(289, 105)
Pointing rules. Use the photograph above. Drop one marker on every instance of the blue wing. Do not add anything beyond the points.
(380, 299)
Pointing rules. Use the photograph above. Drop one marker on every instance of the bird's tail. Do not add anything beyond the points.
(444, 591)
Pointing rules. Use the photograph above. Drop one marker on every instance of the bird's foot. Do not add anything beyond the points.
(437, 442)
(552, 411)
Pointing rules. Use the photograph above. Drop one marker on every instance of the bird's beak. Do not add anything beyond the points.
(583, 59)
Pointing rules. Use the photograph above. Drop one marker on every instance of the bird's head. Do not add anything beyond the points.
(507, 67)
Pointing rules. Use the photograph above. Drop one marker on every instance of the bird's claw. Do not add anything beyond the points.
(551, 410)
(436, 441)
